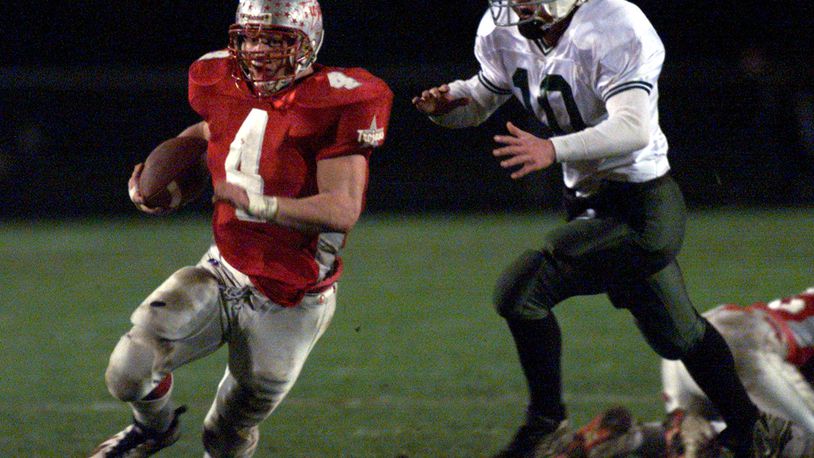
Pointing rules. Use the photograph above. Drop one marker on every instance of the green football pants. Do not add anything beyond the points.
(622, 241)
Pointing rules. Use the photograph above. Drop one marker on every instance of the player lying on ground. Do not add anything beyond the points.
(615, 433)
(773, 350)
(289, 143)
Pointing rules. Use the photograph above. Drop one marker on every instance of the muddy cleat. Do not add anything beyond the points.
(611, 433)
(770, 436)
(672, 434)
(538, 437)
(690, 435)
(698, 437)
(137, 441)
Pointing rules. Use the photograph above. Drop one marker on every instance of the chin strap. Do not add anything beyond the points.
(551, 33)
(533, 30)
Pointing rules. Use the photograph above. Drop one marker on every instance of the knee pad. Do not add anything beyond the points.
(515, 288)
(182, 306)
(129, 373)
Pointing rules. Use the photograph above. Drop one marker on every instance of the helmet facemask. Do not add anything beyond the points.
(273, 43)
(269, 58)
(542, 14)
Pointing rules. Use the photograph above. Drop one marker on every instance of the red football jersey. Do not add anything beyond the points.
(272, 146)
(794, 318)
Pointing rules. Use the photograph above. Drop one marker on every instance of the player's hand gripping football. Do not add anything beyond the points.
(530, 152)
(232, 194)
(137, 198)
(437, 101)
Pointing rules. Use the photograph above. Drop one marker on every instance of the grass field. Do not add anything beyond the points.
(415, 363)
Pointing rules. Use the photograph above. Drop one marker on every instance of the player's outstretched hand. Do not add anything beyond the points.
(530, 152)
(437, 101)
(232, 194)
(135, 194)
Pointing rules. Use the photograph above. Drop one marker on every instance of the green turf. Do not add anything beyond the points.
(415, 362)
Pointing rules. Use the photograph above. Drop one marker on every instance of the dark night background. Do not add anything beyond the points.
(88, 88)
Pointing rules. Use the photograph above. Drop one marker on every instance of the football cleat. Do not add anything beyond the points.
(690, 435)
(137, 441)
(538, 437)
(672, 434)
(698, 437)
(770, 436)
(611, 433)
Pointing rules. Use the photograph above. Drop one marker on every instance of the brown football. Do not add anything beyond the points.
(174, 173)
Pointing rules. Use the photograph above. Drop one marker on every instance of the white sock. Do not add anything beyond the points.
(156, 414)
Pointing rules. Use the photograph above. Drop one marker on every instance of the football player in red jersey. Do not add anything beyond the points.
(774, 357)
(773, 346)
(289, 143)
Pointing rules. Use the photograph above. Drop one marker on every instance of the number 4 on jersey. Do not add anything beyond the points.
(243, 162)
(339, 80)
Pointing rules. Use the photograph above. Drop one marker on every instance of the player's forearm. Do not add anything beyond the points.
(319, 213)
(627, 129)
(483, 104)
(336, 208)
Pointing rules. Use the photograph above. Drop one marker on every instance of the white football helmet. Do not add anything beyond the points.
(273, 42)
(545, 12)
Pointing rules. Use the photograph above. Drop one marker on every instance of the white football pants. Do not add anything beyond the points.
(193, 313)
(774, 385)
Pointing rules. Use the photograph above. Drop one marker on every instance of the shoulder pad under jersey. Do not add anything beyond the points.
(487, 25)
(608, 24)
(210, 68)
(334, 87)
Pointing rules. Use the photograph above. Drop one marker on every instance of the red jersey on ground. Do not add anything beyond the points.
(272, 146)
(793, 317)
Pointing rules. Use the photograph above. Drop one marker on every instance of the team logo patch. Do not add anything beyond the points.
(372, 136)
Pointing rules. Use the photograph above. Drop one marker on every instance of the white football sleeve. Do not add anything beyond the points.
(626, 129)
(483, 102)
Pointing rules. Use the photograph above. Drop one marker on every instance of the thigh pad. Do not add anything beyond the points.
(182, 306)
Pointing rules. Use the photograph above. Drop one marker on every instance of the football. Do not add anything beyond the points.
(174, 173)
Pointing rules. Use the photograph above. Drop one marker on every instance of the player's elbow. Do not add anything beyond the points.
(640, 137)
(346, 215)
(346, 223)
(635, 133)
(630, 119)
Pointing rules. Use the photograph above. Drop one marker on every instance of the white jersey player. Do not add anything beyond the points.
(773, 346)
(588, 71)
(573, 87)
